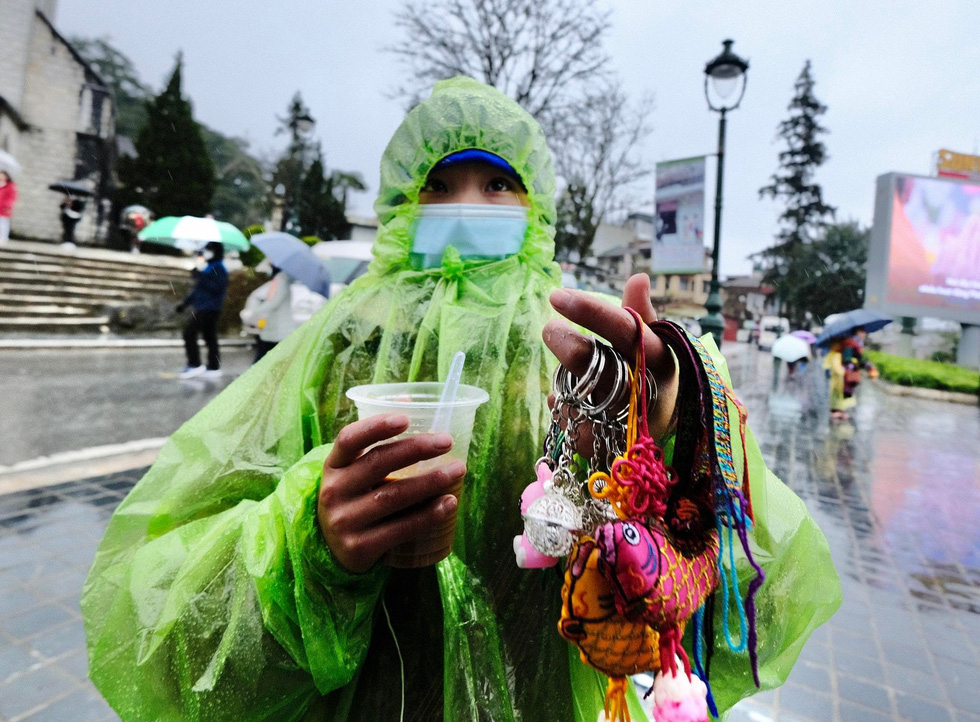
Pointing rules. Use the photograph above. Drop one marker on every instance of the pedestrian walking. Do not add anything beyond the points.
(205, 302)
(71, 214)
(8, 197)
(244, 577)
(844, 364)
(271, 314)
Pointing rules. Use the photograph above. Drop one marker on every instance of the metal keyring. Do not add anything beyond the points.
(617, 388)
(584, 386)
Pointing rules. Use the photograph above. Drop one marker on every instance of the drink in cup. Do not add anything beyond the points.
(420, 402)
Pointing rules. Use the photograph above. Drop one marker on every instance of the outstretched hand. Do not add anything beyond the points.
(617, 326)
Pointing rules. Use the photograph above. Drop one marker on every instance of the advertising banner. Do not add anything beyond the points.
(924, 258)
(950, 164)
(678, 245)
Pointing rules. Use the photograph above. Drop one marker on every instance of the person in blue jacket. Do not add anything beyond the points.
(205, 301)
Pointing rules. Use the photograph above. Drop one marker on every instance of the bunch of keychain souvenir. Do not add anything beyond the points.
(646, 545)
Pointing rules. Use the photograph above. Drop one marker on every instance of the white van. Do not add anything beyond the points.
(771, 328)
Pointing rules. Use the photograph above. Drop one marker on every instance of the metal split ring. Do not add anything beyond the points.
(579, 392)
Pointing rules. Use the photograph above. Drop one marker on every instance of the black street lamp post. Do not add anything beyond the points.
(724, 78)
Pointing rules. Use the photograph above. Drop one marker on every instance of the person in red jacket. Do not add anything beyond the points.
(8, 196)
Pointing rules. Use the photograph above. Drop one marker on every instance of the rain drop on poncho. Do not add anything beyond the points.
(213, 594)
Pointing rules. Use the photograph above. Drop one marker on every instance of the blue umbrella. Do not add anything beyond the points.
(845, 323)
(295, 258)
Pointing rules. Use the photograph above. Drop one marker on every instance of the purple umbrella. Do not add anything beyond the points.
(805, 335)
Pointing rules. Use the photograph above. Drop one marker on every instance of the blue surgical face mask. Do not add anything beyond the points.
(474, 230)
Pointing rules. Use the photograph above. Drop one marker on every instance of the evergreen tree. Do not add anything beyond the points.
(291, 169)
(320, 212)
(173, 174)
(314, 200)
(806, 213)
(836, 269)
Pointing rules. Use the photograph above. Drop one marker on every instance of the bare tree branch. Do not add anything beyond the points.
(548, 55)
(533, 50)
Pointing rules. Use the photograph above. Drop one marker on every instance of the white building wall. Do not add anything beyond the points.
(16, 18)
(47, 152)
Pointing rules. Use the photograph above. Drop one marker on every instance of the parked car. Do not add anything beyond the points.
(771, 328)
(345, 260)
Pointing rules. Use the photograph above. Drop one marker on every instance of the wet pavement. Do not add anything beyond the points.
(897, 493)
(58, 400)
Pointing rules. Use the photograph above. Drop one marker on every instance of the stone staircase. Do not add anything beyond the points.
(46, 289)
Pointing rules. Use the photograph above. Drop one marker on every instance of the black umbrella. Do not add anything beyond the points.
(72, 188)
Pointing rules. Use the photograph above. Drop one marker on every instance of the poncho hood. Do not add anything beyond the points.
(461, 114)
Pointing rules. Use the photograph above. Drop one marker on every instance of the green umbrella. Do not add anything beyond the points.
(190, 233)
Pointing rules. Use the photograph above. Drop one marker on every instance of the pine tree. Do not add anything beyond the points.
(173, 174)
(320, 212)
(805, 214)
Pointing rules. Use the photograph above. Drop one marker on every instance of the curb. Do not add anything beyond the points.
(954, 397)
(76, 465)
(29, 344)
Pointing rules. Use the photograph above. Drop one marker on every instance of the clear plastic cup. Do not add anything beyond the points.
(419, 401)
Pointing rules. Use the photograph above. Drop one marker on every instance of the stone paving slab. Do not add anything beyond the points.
(897, 494)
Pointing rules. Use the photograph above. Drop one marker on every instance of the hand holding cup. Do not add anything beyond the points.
(362, 514)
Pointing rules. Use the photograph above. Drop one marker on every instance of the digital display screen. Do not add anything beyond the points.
(934, 244)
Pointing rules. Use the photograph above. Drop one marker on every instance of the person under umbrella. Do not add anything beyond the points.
(272, 313)
(845, 336)
(205, 302)
(844, 364)
(71, 214)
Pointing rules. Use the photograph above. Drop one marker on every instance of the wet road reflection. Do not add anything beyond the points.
(897, 492)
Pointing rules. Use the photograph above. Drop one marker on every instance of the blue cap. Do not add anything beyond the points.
(471, 155)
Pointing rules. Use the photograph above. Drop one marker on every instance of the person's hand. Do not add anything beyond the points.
(617, 326)
(362, 515)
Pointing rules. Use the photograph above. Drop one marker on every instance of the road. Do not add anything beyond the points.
(897, 492)
(59, 400)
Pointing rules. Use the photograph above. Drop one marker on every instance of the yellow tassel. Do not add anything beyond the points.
(615, 705)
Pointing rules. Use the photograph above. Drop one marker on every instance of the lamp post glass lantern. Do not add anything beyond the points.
(724, 86)
(305, 123)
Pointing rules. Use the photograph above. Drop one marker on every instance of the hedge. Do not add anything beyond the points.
(925, 374)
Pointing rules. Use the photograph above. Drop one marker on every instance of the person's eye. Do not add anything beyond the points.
(501, 185)
(434, 185)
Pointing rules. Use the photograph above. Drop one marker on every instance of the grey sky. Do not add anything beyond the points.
(902, 79)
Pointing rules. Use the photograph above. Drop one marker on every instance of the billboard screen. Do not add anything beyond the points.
(678, 244)
(924, 258)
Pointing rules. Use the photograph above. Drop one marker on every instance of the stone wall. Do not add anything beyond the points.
(16, 21)
(52, 102)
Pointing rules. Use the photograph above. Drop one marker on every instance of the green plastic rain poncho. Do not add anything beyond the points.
(213, 594)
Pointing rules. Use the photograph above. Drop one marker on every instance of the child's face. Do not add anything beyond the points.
(479, 183)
